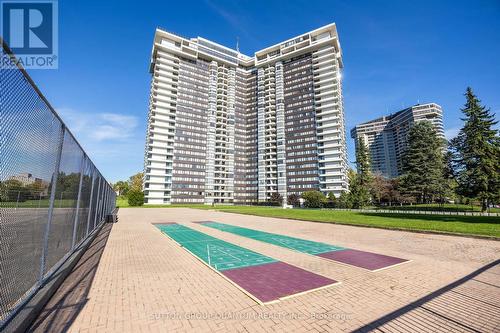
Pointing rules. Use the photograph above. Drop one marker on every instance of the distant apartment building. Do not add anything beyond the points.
(386, 137)
(26, 178)
(224, 127)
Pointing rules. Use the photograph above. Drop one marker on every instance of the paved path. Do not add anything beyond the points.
(145, 282)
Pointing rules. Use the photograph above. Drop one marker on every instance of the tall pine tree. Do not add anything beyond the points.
(477, 153)
(423, 163)
(360, 187)
(449, 184)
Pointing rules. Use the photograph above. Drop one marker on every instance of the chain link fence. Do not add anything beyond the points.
(52, 197)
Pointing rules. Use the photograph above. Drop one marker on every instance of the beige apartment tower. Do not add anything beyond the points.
(228, 128)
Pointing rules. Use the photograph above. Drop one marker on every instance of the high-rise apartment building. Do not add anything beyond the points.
(386, 137)
(229, 128)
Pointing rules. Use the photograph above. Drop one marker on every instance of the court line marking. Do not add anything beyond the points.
(267, 235)
(237, 285)
(213, 269)
(313, 255)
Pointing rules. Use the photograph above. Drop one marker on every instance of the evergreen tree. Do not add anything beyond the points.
(360, 182)
(344, 200)
(477, 152)
(332, 200)
(135, 198)
(448, 187)
(423, 163)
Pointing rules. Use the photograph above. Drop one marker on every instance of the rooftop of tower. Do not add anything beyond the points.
(393, 115)
(199, 46)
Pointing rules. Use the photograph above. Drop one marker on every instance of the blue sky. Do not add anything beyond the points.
(396, 53)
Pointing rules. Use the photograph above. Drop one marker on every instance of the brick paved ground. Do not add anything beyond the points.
(70, 298)
(145, 282)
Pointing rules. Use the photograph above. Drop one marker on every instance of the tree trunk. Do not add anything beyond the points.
(484, 205)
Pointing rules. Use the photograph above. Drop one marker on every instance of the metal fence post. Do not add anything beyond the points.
(77, 214)
(104, 204)
(99, 212)
(101, 205)
(17, 202)
(51, 205)
(90, 204)
(97, 201)
(103, 198)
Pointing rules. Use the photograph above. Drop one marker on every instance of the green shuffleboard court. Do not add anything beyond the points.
(216, 253)
(363, 259)
(296, 244)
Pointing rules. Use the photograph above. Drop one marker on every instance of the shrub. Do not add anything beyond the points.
(276, 198)
(293, 199)
(314, 199)
(135, 198)
(265, 203)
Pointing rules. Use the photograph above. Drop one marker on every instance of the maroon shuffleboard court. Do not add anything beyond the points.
(363, 259)
(273, 281)
(263, 278)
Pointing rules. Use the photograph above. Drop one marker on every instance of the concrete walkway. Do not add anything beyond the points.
(145, 282)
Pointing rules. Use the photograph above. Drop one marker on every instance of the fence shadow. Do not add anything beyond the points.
(65, 305)
(451, 302)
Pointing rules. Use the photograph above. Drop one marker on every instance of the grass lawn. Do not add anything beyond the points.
(122, 202)
(467, 225)
(43, 203)
(445, 208)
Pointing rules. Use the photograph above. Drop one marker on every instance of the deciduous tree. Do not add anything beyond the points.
(276, 199)
(135, 181)
(293, 199)
(121, 187)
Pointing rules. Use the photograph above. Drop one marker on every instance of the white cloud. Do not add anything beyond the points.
(226, 15)
(233, 19)
(115, 142)
(101, 126)
(114, 127)
(450, 133)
